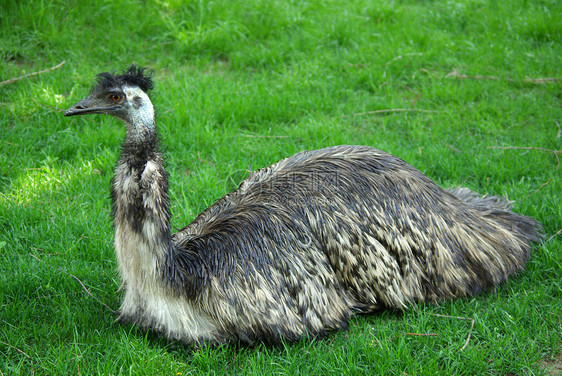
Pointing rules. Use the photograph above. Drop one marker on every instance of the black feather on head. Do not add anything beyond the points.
(134, 76)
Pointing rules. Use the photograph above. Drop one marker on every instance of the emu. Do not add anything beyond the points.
(301, 245)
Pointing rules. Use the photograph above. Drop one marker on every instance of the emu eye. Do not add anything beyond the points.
(115, 97)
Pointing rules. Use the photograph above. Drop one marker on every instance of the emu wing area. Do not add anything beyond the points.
(310, 240)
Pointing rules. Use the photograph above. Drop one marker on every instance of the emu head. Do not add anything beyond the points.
(123, 96)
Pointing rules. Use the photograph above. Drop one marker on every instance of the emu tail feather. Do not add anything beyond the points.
(527, 229)
(506, 239)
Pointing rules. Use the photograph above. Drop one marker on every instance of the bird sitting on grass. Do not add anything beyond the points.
(301, 245)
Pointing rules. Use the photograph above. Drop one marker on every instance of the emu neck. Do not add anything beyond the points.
(140, 205)
(140, 146)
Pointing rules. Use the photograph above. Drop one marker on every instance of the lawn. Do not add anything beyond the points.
(468, 92)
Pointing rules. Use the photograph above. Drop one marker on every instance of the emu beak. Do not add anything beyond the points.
(90, 105)
(82, 107)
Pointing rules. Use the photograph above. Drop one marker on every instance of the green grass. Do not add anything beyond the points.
(242, 84)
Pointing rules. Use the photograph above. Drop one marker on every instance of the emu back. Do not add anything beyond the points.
(307, 242)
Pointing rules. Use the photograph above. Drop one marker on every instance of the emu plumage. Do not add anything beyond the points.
(301, 245)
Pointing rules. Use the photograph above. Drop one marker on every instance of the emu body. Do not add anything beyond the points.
(300, 246)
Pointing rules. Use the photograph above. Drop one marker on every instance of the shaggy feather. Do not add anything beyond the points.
(134, 76)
